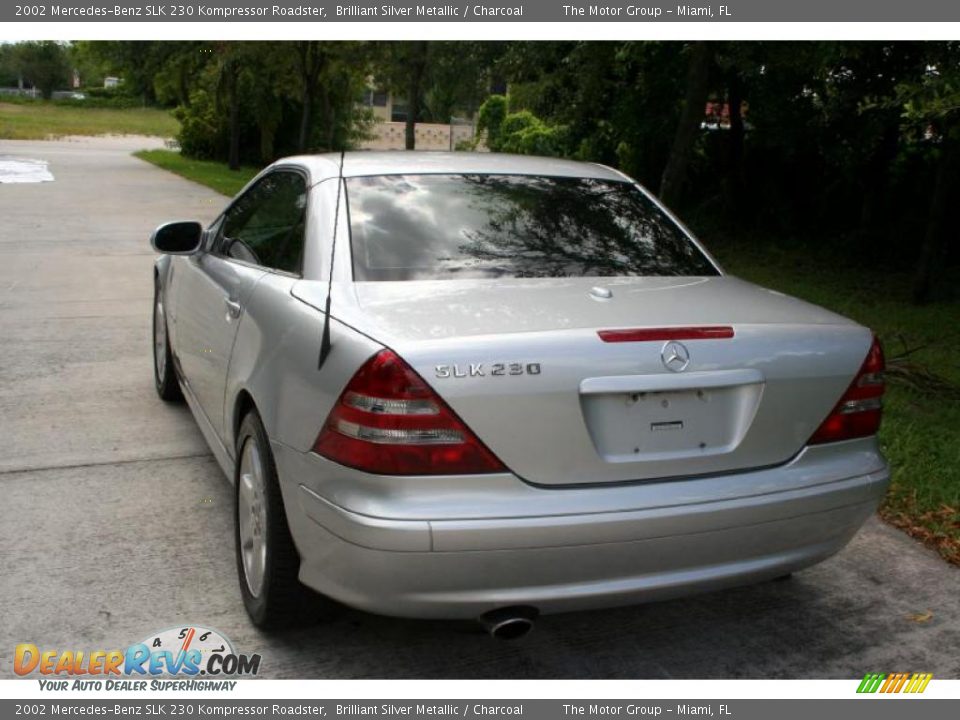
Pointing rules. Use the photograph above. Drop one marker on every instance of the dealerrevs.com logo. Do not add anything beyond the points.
(182, 652)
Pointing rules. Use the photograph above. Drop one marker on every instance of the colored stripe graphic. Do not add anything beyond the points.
(894, 683)
(919, 682)
(871, 682)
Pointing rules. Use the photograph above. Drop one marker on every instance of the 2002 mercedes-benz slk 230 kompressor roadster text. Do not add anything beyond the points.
(476, 385)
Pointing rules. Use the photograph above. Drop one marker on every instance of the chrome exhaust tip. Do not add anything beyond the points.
(509, 623)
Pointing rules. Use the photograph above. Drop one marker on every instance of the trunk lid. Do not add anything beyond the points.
(521, 362)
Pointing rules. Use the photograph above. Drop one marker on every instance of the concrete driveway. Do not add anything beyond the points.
(115, 520)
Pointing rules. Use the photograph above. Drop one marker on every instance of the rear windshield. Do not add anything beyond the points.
(435, 227)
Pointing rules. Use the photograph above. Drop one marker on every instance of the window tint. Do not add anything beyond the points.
(423, 227)
(265, 226)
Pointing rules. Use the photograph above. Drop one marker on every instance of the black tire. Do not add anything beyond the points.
(281, 601)
(164, 378)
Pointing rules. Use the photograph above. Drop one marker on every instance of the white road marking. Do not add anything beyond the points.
(23, 170)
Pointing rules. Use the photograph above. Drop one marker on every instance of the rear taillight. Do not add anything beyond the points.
(388, 421)
(859, 410)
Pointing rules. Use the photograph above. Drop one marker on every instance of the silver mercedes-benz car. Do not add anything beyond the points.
(486, 386)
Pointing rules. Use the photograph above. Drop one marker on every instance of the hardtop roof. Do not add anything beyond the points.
(364, 163)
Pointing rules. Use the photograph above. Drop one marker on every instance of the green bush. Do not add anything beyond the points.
(107, 98)
(526, 134)
(490, 119)
(96, 97)
(517, 122)
(202, 133)
(537, 139)
(520, 132)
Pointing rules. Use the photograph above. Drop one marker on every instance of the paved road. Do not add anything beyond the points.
(114, 519)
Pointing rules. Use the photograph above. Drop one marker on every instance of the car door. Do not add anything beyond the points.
(260, 232)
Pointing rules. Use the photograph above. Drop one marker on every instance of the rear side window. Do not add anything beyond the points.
(265, 226)
(434, 227)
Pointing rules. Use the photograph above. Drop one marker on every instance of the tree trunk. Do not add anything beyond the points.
(311, 63)
(327, 121)
(234, 158)
(306, 119)
(935, 236)
(268, 133)
(183, 85)
(691, 116)
(735, 181)
(332, 127)
(418, 64)
(874, 184)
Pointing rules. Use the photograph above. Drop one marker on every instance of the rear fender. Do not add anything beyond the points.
(274, 360)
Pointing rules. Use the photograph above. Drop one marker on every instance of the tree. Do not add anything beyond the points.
(10, 71)
(938, 230)
(342, 120)
(255, 101)
(267, 85)
(44, 65)
(931, 113)
(435, 79)
(229, 66)
(691, 117)
(137, 62)
(618, 101)
(458, 78)
(520, 132)
(418, 53)
(179, 70)
(312, 60)
(490, 119)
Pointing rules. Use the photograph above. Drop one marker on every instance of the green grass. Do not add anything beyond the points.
(921, 427)
(215, 175)
(39, 120)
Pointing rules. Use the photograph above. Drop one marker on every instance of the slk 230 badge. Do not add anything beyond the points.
(485, 369)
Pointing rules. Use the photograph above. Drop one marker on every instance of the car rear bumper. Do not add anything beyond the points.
(417, 553)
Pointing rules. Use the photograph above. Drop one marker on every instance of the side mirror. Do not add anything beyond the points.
(177, 238)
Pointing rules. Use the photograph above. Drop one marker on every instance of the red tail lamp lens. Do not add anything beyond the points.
(388, 421)
(859, 411)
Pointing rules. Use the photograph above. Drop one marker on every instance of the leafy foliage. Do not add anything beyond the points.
(202, 135)
(249, 102)
(521, 132)
(490, 121)
(43, 65)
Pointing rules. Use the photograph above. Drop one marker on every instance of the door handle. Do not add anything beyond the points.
(233, 308)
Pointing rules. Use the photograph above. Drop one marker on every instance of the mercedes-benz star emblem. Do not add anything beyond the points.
(675, 356)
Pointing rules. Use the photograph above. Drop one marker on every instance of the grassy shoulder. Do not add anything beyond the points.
(921, 427)
(40, 120)
(215, 175)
